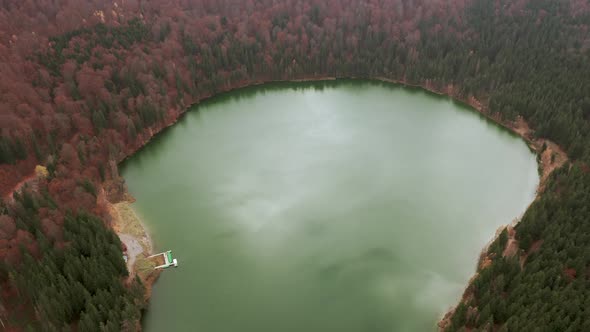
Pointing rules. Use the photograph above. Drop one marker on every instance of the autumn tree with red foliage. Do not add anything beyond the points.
(86, 83)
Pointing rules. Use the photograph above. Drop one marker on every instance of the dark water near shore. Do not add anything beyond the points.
(351, 206)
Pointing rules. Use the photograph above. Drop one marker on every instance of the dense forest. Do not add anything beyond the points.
(85, 83)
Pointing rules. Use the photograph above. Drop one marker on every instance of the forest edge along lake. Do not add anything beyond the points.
(155, 300)
(316, 93)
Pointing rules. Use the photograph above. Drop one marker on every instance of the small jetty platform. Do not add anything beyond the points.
(164, 260)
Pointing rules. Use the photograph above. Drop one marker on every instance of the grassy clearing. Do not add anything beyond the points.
(144, 267)
(129, 223)
(131, 230)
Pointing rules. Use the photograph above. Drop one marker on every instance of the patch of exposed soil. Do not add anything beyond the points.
(135, 237)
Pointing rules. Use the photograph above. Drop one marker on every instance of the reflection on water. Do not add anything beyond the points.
(338, 206)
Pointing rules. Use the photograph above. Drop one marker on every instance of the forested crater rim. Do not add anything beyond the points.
(519, 127)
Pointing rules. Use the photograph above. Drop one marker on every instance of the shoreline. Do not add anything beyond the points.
(136, 239)
(550, 156)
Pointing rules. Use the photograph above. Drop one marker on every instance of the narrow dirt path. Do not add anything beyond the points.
(19, 185)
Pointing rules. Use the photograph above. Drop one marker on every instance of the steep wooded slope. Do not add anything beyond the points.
(86, 83)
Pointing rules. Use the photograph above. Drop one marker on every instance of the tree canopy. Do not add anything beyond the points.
(86, 83)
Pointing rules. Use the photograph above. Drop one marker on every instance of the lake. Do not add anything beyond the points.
(328, 206)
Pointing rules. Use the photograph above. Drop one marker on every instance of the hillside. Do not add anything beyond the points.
(86, 83)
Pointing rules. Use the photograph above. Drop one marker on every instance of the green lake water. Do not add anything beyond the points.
(319, 207)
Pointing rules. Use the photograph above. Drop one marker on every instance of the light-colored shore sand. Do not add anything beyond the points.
(135, 236)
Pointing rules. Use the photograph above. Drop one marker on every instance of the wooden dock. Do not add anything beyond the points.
(165, 259)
